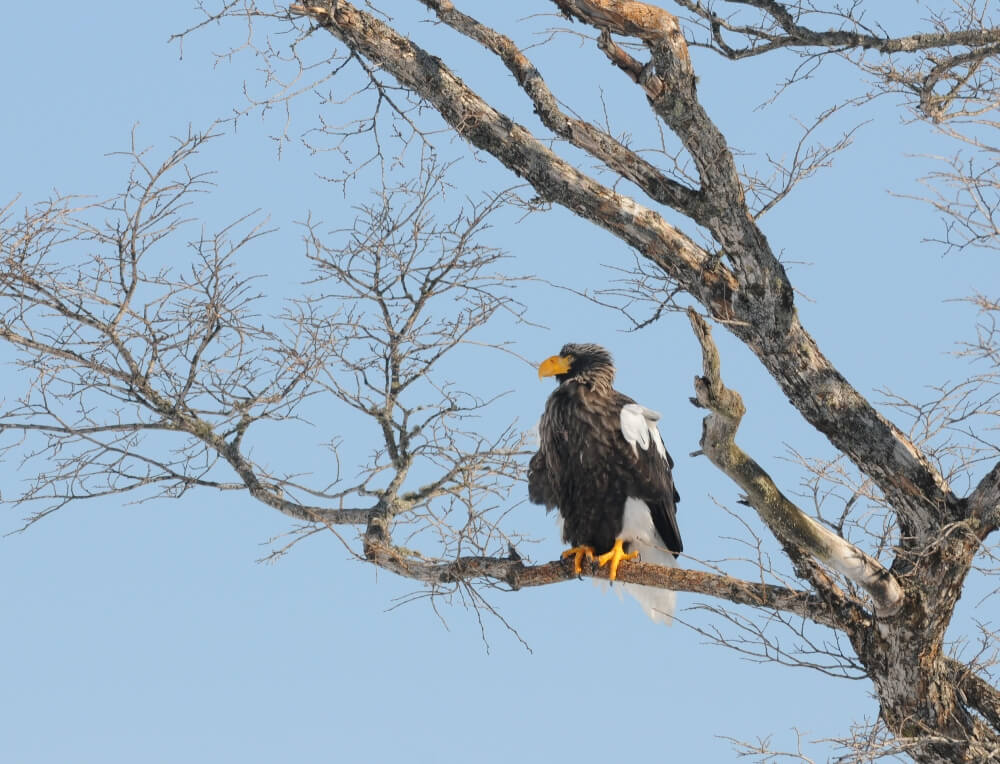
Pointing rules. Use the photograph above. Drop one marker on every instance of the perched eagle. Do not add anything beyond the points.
(602, 463)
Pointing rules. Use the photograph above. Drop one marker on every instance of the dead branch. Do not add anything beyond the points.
(789, 523)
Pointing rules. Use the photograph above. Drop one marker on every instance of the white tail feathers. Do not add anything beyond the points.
(639, 531)
(659, 604)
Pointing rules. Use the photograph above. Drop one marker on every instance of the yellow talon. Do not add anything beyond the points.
(578, 553)
(615, 556)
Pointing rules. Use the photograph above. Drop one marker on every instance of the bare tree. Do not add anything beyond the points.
(897, 521)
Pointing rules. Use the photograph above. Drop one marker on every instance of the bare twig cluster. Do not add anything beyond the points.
(148, 374)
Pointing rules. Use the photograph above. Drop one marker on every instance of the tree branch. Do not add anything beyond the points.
(598, 143)
(984, 501)
(517, 575)
(552, 177)
(979, 693)
(787, 521)
(797, 35)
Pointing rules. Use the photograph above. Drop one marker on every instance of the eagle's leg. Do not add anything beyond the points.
(578, 553)
(615, 556)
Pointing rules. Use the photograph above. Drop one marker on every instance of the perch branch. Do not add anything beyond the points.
(517, 575)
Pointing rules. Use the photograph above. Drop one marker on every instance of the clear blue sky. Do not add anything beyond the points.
(148, 632)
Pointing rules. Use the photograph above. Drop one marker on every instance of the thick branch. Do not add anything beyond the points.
(583, 135)
(552, 177)
(675, 101)
(785, 519)
(517, 575)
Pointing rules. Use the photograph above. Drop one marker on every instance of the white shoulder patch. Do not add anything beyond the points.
(639, 428)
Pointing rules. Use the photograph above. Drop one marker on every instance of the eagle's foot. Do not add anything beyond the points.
(615, 556)
(578, 553)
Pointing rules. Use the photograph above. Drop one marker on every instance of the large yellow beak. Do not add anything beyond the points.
(555, 365)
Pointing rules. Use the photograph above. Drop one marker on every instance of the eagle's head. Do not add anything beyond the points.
(585, 363)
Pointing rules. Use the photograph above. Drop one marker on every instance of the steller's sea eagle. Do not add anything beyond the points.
(602, 463)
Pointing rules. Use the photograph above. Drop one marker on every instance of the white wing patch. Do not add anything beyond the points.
(639, 428)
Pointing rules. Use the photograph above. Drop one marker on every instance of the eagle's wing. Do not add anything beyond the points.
(539, 485)
(654, 480)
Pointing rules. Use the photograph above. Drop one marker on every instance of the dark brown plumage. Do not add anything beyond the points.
(598, 449)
